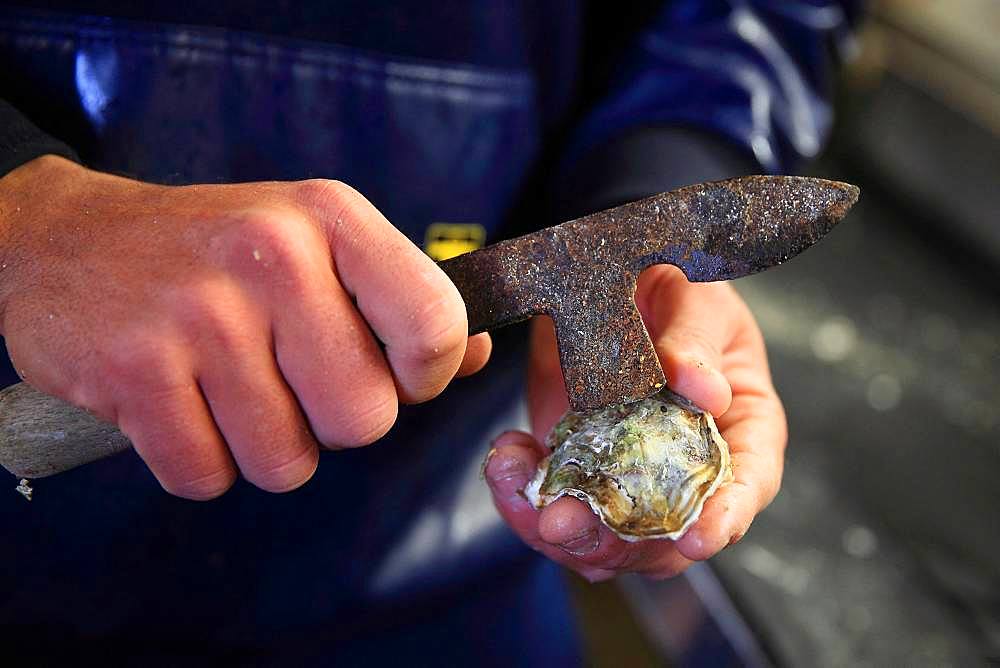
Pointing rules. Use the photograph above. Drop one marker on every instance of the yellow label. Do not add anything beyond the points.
(446, 240)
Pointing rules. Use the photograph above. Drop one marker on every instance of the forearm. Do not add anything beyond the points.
(21, 143)
(38, 179)
(647, 161)
(754, 75)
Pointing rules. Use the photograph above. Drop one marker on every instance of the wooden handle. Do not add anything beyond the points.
(41, 435)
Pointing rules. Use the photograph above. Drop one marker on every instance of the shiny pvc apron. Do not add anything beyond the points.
(392, 551)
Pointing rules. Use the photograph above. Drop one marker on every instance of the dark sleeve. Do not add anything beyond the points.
(710, 91)
(21, 141)
(647, 161)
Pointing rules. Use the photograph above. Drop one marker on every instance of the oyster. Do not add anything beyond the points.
(646, 469)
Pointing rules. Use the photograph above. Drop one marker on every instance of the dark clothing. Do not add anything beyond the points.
(21, 141)
(438, 112)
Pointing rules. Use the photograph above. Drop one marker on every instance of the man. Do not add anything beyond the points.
(239, 330)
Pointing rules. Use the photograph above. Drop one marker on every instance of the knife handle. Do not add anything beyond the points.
(41, 435)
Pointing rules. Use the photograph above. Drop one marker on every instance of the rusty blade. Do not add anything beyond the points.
(726, 229)
(583, 273)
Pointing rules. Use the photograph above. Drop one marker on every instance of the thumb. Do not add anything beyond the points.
(691, 325)
(546, 391)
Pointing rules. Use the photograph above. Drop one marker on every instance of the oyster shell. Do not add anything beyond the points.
(646, 469)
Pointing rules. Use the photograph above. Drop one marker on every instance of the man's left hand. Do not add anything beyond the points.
(712, 352)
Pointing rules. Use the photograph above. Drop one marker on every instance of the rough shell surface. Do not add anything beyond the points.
(646, 468)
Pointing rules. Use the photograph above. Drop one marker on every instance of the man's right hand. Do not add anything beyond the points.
(223, 327)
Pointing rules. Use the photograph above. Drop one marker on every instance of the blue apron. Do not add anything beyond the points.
(392, 552)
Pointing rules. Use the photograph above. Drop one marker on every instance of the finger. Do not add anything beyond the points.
(256, 411)
(664, 561)
(172, 430)
(724, 520)
(334, 366)
(412, 306)
(324, 348)
(512, 463)
(691, 325)
(755, 429)
(546, 391)
(569, 524)
(477, 353)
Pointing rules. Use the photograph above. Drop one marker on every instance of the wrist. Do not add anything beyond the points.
(37, 172)
(27, 196)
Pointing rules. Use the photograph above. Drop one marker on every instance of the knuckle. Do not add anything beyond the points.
(135, 361)
(346, 213)
(655, 281)
(203, 487)
(701, 340)
(272, 238)
(440, 329)
(185, 457)
(284, 470)
(625, 560)
(274, 247)
(207, 314)
(361, 423)
(185, 463)
(324, 193)
(660, 276)
(338, 204)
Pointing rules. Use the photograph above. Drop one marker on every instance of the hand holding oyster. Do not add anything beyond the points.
(646, 469)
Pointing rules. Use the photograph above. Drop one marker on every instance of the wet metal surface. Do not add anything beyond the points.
(583, 273)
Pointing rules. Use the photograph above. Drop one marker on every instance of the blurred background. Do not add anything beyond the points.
(883, 547)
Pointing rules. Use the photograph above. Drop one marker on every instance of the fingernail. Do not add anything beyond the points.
(508, 475)
(583, 544)
(738, 533)
(509, 438)
(486, 460)
(694, 542)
